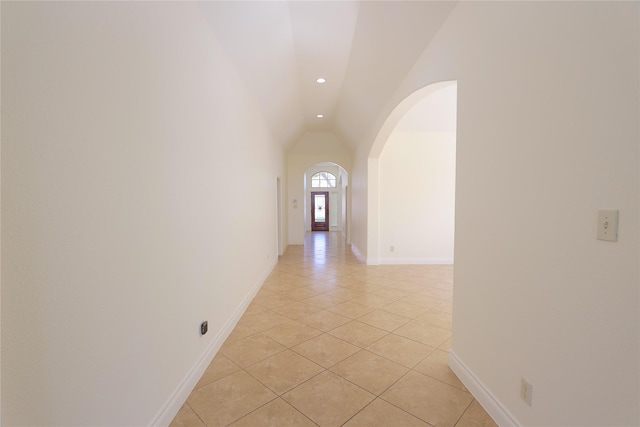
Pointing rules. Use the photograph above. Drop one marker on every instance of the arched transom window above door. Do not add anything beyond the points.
(323, 180)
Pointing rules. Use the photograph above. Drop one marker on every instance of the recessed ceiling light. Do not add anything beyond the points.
(321, 80)
(319, 116)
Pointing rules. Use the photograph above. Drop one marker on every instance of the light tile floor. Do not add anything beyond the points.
(329, 341)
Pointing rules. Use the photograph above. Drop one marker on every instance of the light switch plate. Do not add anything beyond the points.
(608, 225)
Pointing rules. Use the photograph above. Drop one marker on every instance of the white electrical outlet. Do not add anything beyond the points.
(526, 390)
(608, 225)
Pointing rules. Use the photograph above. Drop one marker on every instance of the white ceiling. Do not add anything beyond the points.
(362, 48)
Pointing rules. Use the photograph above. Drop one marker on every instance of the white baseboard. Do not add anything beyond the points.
(284, 249)
(415, 260)
(401, 261)
(488, 401)
(361, 257)
(358, 254)
(169, 410)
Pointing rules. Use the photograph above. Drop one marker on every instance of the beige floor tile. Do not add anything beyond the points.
(324, 300)
(358, 333)
(250, 350)
(476, 416)
(430, 400)
(345, 293)
(284, 371)
(328, 399)
(262, 292)
(277, 287)
(322, 287)
(383, 414)
(240, 331)
(446, 306)
(325, 350)
(404, 309)
(368, 274)
(254, 309)
(370, 289)
(401, 350)
(407, 286)
(438, 292)
(272, 301)
(186, 418)
(426, 334)
(436, 318)
(316, 273)
(384, 320)
(324, 320)
(350, 309)
(276, 413)
(343, 283)
(292, 333)
(422, 300)
(368, 370)
(300, 293)
(228, 399)
(219, 367)
(436, 365)
(446, 346)
(380, 281)
(390, 292)
(263, 321)
(296, 310)
(372, 300)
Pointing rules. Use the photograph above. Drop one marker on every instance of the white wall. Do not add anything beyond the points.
(0, 216)
(343, 182)
(123, 126)
(417, 198)
(313, 147)
(548, 107)
(360, 204)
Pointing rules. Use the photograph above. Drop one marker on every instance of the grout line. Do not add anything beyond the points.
(464, 412)
(193, 410)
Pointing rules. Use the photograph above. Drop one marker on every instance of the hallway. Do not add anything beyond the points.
(329, 341)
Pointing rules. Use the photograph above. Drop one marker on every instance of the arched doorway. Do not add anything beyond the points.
(411, 188)
(325, 185)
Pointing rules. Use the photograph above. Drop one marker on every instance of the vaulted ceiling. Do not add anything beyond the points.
(362, 48)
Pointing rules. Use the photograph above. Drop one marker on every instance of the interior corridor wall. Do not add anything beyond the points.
(132, 164)
(343, 182)
(360, 204)
(417, 198)
(547, 134)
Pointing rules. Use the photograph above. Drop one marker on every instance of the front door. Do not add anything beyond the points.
(320, 211)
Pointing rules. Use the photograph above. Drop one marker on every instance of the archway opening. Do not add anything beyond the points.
(411, 181)
(331, 179)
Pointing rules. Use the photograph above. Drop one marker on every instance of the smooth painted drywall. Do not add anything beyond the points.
(343, 182)
(313, 148)
(0, 215)
(359, 205)
(133, 161)
(548, 107)
(417, 198)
